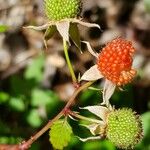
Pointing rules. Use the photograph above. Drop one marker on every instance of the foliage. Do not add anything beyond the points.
(25, 105)
(60, 134)
(3, 28)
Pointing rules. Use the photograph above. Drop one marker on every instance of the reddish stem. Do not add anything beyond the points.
(26, 144)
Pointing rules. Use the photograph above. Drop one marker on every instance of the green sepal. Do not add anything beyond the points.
(74, 34)
(60, 134)
(50, 31)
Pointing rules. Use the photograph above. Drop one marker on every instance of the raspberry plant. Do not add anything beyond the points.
(114, 64)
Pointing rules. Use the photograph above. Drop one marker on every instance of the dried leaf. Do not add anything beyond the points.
(85, 23)
(38, 28)
(90, 49)
(99, 111)
(89, 138)
(63, 28)
(75, 36)
(108, 91)
(92, 74)
(94, 128)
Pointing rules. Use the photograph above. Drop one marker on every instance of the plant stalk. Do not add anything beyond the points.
(74, 79)
(26, 144)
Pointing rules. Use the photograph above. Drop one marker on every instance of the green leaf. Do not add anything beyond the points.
(34, 119)
(35, 69)
(145, 144)
(50, 32)
(60, 134)
(146, 121)
(21, 86)
(10, 140)
(3, 28)
(3, 97)
(40, 97)
(147, 5)
(75, 36)
(98, 145)
(17, 104)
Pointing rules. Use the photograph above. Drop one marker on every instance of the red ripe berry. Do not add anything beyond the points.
(115, 61)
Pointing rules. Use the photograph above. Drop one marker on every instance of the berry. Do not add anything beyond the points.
(124, 128)
(115, 61)
(61, 9)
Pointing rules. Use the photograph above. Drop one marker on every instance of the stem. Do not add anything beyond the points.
(84, 118)
(25, 145)
(74, 79)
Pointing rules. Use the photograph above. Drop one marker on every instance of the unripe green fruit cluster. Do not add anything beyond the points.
(124, 128)
(61, 9)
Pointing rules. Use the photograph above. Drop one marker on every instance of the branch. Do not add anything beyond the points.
(26, 144)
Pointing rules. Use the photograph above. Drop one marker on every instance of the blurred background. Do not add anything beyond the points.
(34, 85)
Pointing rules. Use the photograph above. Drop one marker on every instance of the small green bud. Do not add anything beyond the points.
(124, 128)
(61, 9)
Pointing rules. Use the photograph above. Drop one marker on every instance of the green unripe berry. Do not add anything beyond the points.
(61, 9)
(124, 128)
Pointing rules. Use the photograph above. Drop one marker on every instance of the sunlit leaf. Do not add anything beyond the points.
(3, 97)
(40, 97)
(34, 119)
(60, 134)
(35, 69)
(17, 104)
(3, 28)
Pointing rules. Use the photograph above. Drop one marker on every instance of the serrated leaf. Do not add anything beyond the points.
(50, 31)
(60, 134)
(3, 28)
(75, 36)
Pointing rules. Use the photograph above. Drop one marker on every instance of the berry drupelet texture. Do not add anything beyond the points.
(124, 128)
(115, 61)
(57, 10)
